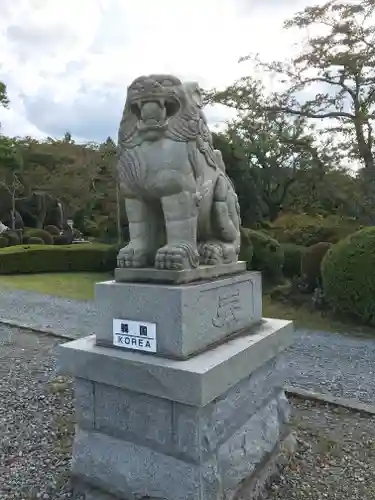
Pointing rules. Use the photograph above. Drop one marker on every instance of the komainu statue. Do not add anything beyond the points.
(182, 208)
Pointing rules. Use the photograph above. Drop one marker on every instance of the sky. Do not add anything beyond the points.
(67, 64)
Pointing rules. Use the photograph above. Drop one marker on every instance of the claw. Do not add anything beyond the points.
(130, 256)
(176, 257)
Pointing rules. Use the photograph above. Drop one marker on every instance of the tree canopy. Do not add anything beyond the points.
(300, 135)
(274, 147)
(336, 71)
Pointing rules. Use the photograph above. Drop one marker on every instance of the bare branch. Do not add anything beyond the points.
(307, 114)
(330, 81)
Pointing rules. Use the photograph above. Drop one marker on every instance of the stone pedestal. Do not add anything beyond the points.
(209, 427)
(189, 317)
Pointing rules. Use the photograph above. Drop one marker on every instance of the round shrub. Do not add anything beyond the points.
(26, 259)
(33, 240)
(3, 242)
(311, 264)
(54, 230)
(12, 238)
(292, 259)
(39, 233)
(349, 278)
(268, 256)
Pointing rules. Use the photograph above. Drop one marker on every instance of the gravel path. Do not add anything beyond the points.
(331, 363)
(335, 457)
(335, 364)
(36, 419)
(45, 313)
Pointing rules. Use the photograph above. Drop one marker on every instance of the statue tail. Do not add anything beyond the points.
(226, 211)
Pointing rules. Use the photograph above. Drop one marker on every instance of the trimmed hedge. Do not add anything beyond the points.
(292, 259)
(33, 240)
(349, 277)
(38, 233)
(311, 263)
(268, 256)
(12, 238)
(3, 242)
(24, 259)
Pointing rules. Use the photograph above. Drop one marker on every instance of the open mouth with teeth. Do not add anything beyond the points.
(154, 113)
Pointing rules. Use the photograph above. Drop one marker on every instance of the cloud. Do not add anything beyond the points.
(67, 64)
(91, 114)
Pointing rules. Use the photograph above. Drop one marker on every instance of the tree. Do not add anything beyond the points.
(336, 66)
(336, 192)
(276, 147)
(80, 176)
(11, 163)
(237, 168)
(3, 95)
(106, 185)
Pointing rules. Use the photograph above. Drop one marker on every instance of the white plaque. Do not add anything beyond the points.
(137, 335)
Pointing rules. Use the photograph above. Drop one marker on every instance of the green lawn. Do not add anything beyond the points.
(80, 286)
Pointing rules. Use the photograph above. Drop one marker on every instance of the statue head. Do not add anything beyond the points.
(154, 103)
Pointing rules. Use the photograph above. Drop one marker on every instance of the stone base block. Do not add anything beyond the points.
(130, 471)
(196, 381)
(204, 428)
(153, 275)
(251, 489)
(189, 318)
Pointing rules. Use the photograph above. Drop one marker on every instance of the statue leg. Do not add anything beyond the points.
(144, 226)
(180, 214)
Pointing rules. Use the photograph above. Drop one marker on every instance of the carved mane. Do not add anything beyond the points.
(188, 125)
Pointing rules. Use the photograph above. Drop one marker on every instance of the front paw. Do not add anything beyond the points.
(133, 256)
(178, 257)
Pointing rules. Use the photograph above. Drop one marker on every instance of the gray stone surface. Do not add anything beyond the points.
(254, 487)
(130, 470)
(196, 381)
(188, 318)
(153, 275)
(184, 431)
(244, 451)
(133, 472)
(203, 430)
(84, 402)
(134, 417)
(181, 206)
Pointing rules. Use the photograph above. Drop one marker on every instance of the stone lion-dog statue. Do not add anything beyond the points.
(181, 206)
